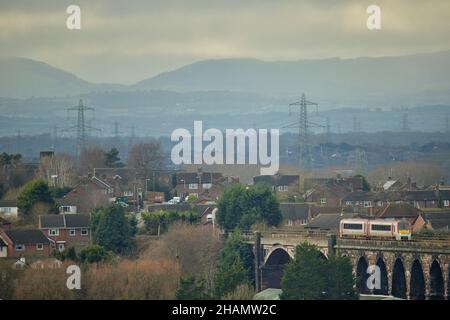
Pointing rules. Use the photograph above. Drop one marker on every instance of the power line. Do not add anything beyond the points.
(304, 149)
(81, 125)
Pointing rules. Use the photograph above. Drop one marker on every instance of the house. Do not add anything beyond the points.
(329, 222)
(9, 209)
(444, 198)
(439, 220)
(196, 183)
(294, 214)
(4, 224)
(330, 191)
(281, 184)
(420, 199)
(66, 230)
(88, 194)
(364, 199)
(392, 185)
(66, 205)
(22, 243)
(350, 184)
(316, 210)
(400, 211)
(206, 213)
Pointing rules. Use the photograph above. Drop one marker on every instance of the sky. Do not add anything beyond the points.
(128, 41)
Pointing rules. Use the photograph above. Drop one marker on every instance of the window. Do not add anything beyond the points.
(72, 232)
(380, 227)
(53, 232)
(84, 232)
(128, 193)
(64, 209)
(19, 247)
(446, 203)
(6, 210)
(367, 204)
(39, 246)
(323, 201)
(193, 186)
(348, 203)
(353, 226)
(207, 186)
(282, 188)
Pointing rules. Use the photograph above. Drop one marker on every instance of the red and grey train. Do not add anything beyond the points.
(377, 229)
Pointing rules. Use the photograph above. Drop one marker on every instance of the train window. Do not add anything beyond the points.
(353, 226)
(380, 227)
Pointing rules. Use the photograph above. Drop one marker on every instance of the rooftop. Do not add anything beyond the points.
(27, 236)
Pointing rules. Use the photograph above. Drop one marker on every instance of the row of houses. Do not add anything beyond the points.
(55, 232)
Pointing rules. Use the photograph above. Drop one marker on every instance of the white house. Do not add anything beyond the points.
(8, 208)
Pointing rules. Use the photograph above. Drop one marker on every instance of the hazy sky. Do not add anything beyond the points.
(127, 41)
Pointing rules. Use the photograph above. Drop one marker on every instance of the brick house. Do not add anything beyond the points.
(66, 230)
(444, 198)
(364, 199)
(281, 184)
(294, 214)
(316, 210)
(437, 220)
(420, 199)
(330, 191)
(196, 183)
(21, 243)
(88, 194)
(400, 211)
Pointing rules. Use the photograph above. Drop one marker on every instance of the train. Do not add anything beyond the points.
(375, 229)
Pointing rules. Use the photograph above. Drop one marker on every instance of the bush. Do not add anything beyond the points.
(158, 222)
(35, 191)
(192, 288)
(94, 254)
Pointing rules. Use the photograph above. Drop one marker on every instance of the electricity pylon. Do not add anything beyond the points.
(304, 149)
(81, 126)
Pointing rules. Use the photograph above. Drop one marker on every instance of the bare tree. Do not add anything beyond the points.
(141, 279)
(58, 170)
(146, 157)
(44, 284)
(90, 159)
(196, 248)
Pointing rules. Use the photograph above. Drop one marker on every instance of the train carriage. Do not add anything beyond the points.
(375, 229)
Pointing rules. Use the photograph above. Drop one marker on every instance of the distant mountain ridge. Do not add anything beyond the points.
(380, 79)
(409, 80)
(26, 78)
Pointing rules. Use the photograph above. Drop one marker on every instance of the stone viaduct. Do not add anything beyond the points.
(417, 269)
